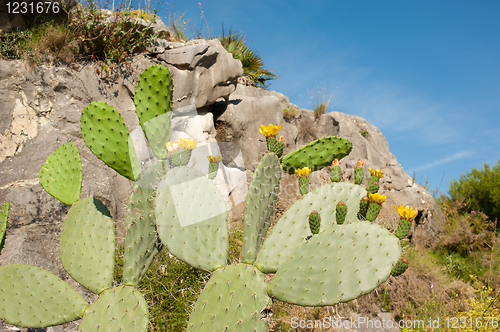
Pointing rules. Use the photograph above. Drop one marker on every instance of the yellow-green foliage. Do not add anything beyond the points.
(483, 308)
(290, 113)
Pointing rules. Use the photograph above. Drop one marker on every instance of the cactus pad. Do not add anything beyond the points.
(61, 174)
(106, 135)
(259, 205)
(4, 215)
(141, 240)
(87, 246)
(153, 103)
(191, 218)
(232, 300)
(121, 308)
(33, 297)
(337, 265)
(317, 154)
(293, 226)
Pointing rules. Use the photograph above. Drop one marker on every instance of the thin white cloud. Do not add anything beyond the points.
(447, 159)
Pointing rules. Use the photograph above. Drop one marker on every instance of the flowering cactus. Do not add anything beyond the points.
(303, 174)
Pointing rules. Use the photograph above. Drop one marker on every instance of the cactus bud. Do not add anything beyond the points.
(314, 222)
(341, 212)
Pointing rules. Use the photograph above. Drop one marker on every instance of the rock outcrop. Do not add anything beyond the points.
(40, 109)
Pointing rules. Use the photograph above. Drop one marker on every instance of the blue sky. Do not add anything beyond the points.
(426, 73)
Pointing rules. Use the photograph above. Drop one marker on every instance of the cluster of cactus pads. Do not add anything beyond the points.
(322, 251)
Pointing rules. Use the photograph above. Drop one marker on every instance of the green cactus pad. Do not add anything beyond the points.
(317, 154)
(232, 300)
(87, 246)
(4, 215)
(33, 297)
(106, 135)
(337, 265)
(293, 226)
(61, 174)
(153, 103)
(259, 205)
(191, 218)
(121, 308)
(141, 239)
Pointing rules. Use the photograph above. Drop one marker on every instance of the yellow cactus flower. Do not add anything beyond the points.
(360, 163)
(303, 172)
(376, 172)
(335, 162)
(188, 144)
(377, 198)
(270, 131)
(173, 146)
(216, 160)
(406, 212)
(281, 139)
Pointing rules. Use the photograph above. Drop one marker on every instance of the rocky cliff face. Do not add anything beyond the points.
(40, 110)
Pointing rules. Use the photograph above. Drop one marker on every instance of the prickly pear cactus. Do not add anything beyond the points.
(141, 239)
(33, 297)
(121, 308)
(4, 215)
(191, 218)
(106, 135)
(153, 103)
(232, 300)
(61, 174)
(317, 154)
(259, 205)
(293, 226)
(87, 245)
(337, 265)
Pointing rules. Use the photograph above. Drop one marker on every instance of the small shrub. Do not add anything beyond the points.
(480, 190)
(290, 113)
(253, 65)
(364, 133)
(321, 101)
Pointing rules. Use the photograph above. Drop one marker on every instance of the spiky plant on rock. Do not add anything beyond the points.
(181, 209)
